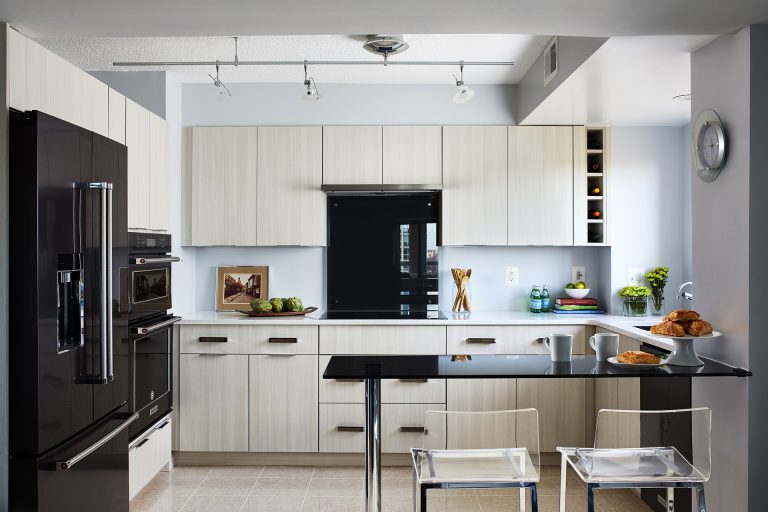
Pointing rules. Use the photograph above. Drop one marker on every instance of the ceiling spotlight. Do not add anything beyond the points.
(385, 45)
(223, 90)
(311, 93)
(465, 93)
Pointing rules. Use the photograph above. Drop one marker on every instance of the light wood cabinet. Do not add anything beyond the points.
(476, 395)
(341, 428)
(223, 186)
(561, 404)
(382, 339)
(474, 185)
(412, 155)
(283, 403)
(402, 426)
(352, 155)
(137, 140)
(248, 339)
(147, 455)
(116, 116)
(290, 207)
(540, 200)
(213, 397)
(158, 174)
(506, 339)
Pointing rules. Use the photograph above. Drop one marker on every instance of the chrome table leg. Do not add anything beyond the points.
(372, 445)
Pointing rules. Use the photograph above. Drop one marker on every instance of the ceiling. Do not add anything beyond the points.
(68, 18)
(97, 54)
(627, 81)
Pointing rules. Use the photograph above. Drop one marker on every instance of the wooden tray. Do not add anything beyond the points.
(282, 313)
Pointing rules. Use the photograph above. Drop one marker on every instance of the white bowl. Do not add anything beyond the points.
(577, 293)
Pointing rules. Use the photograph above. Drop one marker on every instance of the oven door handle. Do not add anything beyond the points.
(149, 261)
(149, 329)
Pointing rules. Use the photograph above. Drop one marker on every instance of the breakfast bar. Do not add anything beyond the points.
(373, 369)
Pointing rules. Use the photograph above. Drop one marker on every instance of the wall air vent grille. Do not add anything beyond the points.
(551, 60)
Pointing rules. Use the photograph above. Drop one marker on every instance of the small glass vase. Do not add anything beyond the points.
(635, 306)
(657, 305)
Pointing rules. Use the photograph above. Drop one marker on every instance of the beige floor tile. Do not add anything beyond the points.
(335, 487)
(237, 471)
(229, 486)
(199, 471)
(619, 500)
(157, 502)
(395, 504)
(451, 503)
(505, 504)
(273, 504)
(339, 472)
(547, 486)
(280, 487)
(332, 504)
(214, 504)
(396, 487)
(288, 472)
(178, 485)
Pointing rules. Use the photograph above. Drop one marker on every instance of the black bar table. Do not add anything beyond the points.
(374, 368)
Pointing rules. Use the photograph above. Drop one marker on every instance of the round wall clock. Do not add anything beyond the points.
(708, 145)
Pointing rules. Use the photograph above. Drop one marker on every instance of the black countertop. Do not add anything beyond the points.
(506, 366)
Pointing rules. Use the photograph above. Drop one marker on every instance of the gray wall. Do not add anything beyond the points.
(147, 88)
(573, 52)
(281, 104)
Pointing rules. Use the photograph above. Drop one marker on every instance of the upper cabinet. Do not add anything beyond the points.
(137, 140)
(290, 207)
(158, 173)
(116, 116)
(352, 155)
(474, 185)
(222, 186)
(540, 205)
(412, 155)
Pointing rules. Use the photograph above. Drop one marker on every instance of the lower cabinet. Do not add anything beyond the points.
(213, 402)
(561, 404)
(283, 403)
(147, 455)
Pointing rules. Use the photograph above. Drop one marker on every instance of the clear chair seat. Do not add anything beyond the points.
(648, 464)
(498, 465)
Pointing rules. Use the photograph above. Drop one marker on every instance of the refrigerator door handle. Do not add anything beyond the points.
(64, 465)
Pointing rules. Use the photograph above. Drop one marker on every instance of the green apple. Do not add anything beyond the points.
(570, 286)
(581, 285)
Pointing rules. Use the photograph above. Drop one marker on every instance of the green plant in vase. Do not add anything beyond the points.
(657, 279)
(635, 300)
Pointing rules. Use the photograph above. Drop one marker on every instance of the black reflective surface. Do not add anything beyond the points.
(417, 314)
(505, 366)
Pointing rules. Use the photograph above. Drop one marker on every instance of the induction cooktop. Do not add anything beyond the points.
(383, 315)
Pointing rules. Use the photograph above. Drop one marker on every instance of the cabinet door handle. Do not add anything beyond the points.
(414, 430)
(540, 341)
(212, 339)
(341, 428)
(414, 381)
(486, 341)
(348, 380)
(283, 340)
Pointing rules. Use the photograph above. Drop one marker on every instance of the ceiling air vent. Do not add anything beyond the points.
(385, 45)
(550, 60)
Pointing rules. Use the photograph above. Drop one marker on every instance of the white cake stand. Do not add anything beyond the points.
(683, 353)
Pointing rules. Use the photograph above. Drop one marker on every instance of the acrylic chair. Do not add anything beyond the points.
(644, 449)
(473, 450)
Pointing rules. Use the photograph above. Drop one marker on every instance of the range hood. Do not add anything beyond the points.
(378, 188)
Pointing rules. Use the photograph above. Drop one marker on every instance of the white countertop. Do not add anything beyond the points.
(620, 324)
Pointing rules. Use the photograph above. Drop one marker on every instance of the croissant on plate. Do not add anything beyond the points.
(668, 328)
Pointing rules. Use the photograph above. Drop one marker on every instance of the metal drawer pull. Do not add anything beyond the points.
(487, 341)
(142, 442)
(155, 327)
(283, 340)
(163, 425)
(212, 339)
(414, 381)
(350, 429)
(349, 380)
(64, 465)
(414, 430)
(540, 341)
(213, 354)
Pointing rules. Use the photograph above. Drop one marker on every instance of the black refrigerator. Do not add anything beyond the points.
(68, 343)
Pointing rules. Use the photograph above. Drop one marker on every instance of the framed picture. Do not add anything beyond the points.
(236, 287)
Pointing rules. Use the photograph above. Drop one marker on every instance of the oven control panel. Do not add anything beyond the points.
(149, 242)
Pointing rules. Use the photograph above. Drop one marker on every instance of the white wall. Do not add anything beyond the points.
(646, 205)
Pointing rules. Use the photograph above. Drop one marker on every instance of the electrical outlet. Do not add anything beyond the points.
(635, 276)
(578, 274)
(513, 276)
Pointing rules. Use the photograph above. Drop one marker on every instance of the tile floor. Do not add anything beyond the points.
(339, 489)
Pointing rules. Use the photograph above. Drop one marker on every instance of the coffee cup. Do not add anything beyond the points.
(605, 345)
(560, 347)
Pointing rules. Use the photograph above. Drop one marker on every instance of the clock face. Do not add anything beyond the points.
(710, 146)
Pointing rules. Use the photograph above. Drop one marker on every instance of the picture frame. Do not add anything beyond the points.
(237, 286)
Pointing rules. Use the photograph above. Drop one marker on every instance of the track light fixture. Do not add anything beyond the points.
(223, 90)
(311, 93)
(465, 93)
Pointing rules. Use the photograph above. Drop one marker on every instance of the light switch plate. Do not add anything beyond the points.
(512, 276)
(636, 276)
(578, 274)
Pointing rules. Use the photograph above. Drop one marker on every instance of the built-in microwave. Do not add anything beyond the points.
(149, 274)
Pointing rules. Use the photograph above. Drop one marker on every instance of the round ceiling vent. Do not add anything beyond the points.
(385, 45)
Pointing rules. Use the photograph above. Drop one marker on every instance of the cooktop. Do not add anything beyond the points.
(383, 315)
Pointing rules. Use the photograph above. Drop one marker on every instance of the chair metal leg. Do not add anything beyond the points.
(522, 499)
(415, 491)
(590, 498)
(670, 499)
(563, 473)
(700, 498)
(423, 495)
(534, 499)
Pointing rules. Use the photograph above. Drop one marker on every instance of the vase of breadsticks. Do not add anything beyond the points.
(461, 281)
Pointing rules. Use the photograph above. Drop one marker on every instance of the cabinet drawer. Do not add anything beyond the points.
(147, 456)
(402, 426)
(262, 339)
(382, 339)
(342, 428)
(523, 339)
(398, 391)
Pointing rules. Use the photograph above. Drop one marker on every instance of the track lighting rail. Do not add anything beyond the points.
(236, 63)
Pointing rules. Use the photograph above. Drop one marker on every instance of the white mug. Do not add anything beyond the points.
(560, 347)
(605, 345)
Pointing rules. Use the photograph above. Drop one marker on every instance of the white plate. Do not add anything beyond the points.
(715, 334)
(614, 361)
